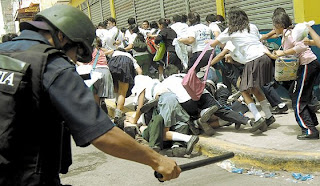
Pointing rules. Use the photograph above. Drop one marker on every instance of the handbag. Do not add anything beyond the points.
(160, 52)
(286, 68)
(193, 85)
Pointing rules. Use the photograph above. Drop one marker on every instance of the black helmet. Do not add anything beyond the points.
(74, 24)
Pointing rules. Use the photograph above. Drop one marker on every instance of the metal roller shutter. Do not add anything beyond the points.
(260, 12)
(203, 7)
(95, 10)
(84, 8)
(124, 10)
(105, 9)
(147, 10)
(172, 8)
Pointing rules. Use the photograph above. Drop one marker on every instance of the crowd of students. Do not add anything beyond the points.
(165, 115)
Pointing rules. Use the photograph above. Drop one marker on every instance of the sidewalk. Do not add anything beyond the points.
(275, 149)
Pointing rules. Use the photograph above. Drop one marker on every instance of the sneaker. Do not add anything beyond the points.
(208, 113)
(234, 97)
(278, 110)
(270, 121)
(193, 140)
(208, 130)
(103, 106)
(131, 131)
(237, 126)
(313, 136)
(258, 124)
(149, 105)
(193, 128)
(179, 151)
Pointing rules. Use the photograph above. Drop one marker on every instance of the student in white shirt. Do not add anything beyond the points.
(249, 51)
(197, 34)
(179, 27)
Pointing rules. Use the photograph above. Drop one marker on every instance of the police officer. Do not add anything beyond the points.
(63, 105)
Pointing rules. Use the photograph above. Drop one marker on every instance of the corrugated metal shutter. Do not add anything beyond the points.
(260, 12)
(95, 10)
(172, 8)
(147, 10)
(84, 8)
(105, 9)
(203, 7)
(124, 10)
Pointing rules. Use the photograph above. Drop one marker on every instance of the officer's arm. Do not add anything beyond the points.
(116, 143)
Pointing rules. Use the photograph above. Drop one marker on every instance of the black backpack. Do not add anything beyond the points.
(139, 44)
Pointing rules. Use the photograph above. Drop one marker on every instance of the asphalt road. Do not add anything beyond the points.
(94, 168)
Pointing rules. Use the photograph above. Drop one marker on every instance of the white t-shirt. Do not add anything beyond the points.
(173, 84)
(131, 40)
(120, 53)
(112, 37)
(214, 27)
(201, 33)
(180, 28)
(102, 34)
(247, 45)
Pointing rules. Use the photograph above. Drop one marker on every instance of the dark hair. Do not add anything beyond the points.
(154, 24)
(211, 18)
(131, 21)
(98, 43)
(176, 18)
(134, 28)
(220, 18)
(164, 22)
(112, 20)
(282, 19)
(8, 37)
(123, 29)
(238, 20)
(194, 18)
(145, 21)
(184, 18)
(278, 10)
(101, 24)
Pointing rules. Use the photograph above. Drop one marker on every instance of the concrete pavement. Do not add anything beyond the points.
(275, 149)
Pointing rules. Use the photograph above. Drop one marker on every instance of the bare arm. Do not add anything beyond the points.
(219, 56)
(138, 112)
(314, 36)
(188, 40)
(271, 34)
(129, 47)
(116, 143)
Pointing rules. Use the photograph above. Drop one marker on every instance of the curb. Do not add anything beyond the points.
(266, 159)
(248, 157)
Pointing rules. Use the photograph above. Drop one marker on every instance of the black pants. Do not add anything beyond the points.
(206, 101)
(271, 95)
(301, 96)
(203, 62)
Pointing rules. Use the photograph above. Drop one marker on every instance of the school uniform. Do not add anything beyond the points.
(201, 33)
(302, 87)
(250, 51)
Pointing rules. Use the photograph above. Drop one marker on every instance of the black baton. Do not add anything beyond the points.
(200, 163)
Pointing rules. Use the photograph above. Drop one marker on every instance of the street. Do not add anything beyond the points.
(94, 168)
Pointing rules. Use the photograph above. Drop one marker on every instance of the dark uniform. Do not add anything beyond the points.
(66, 107)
